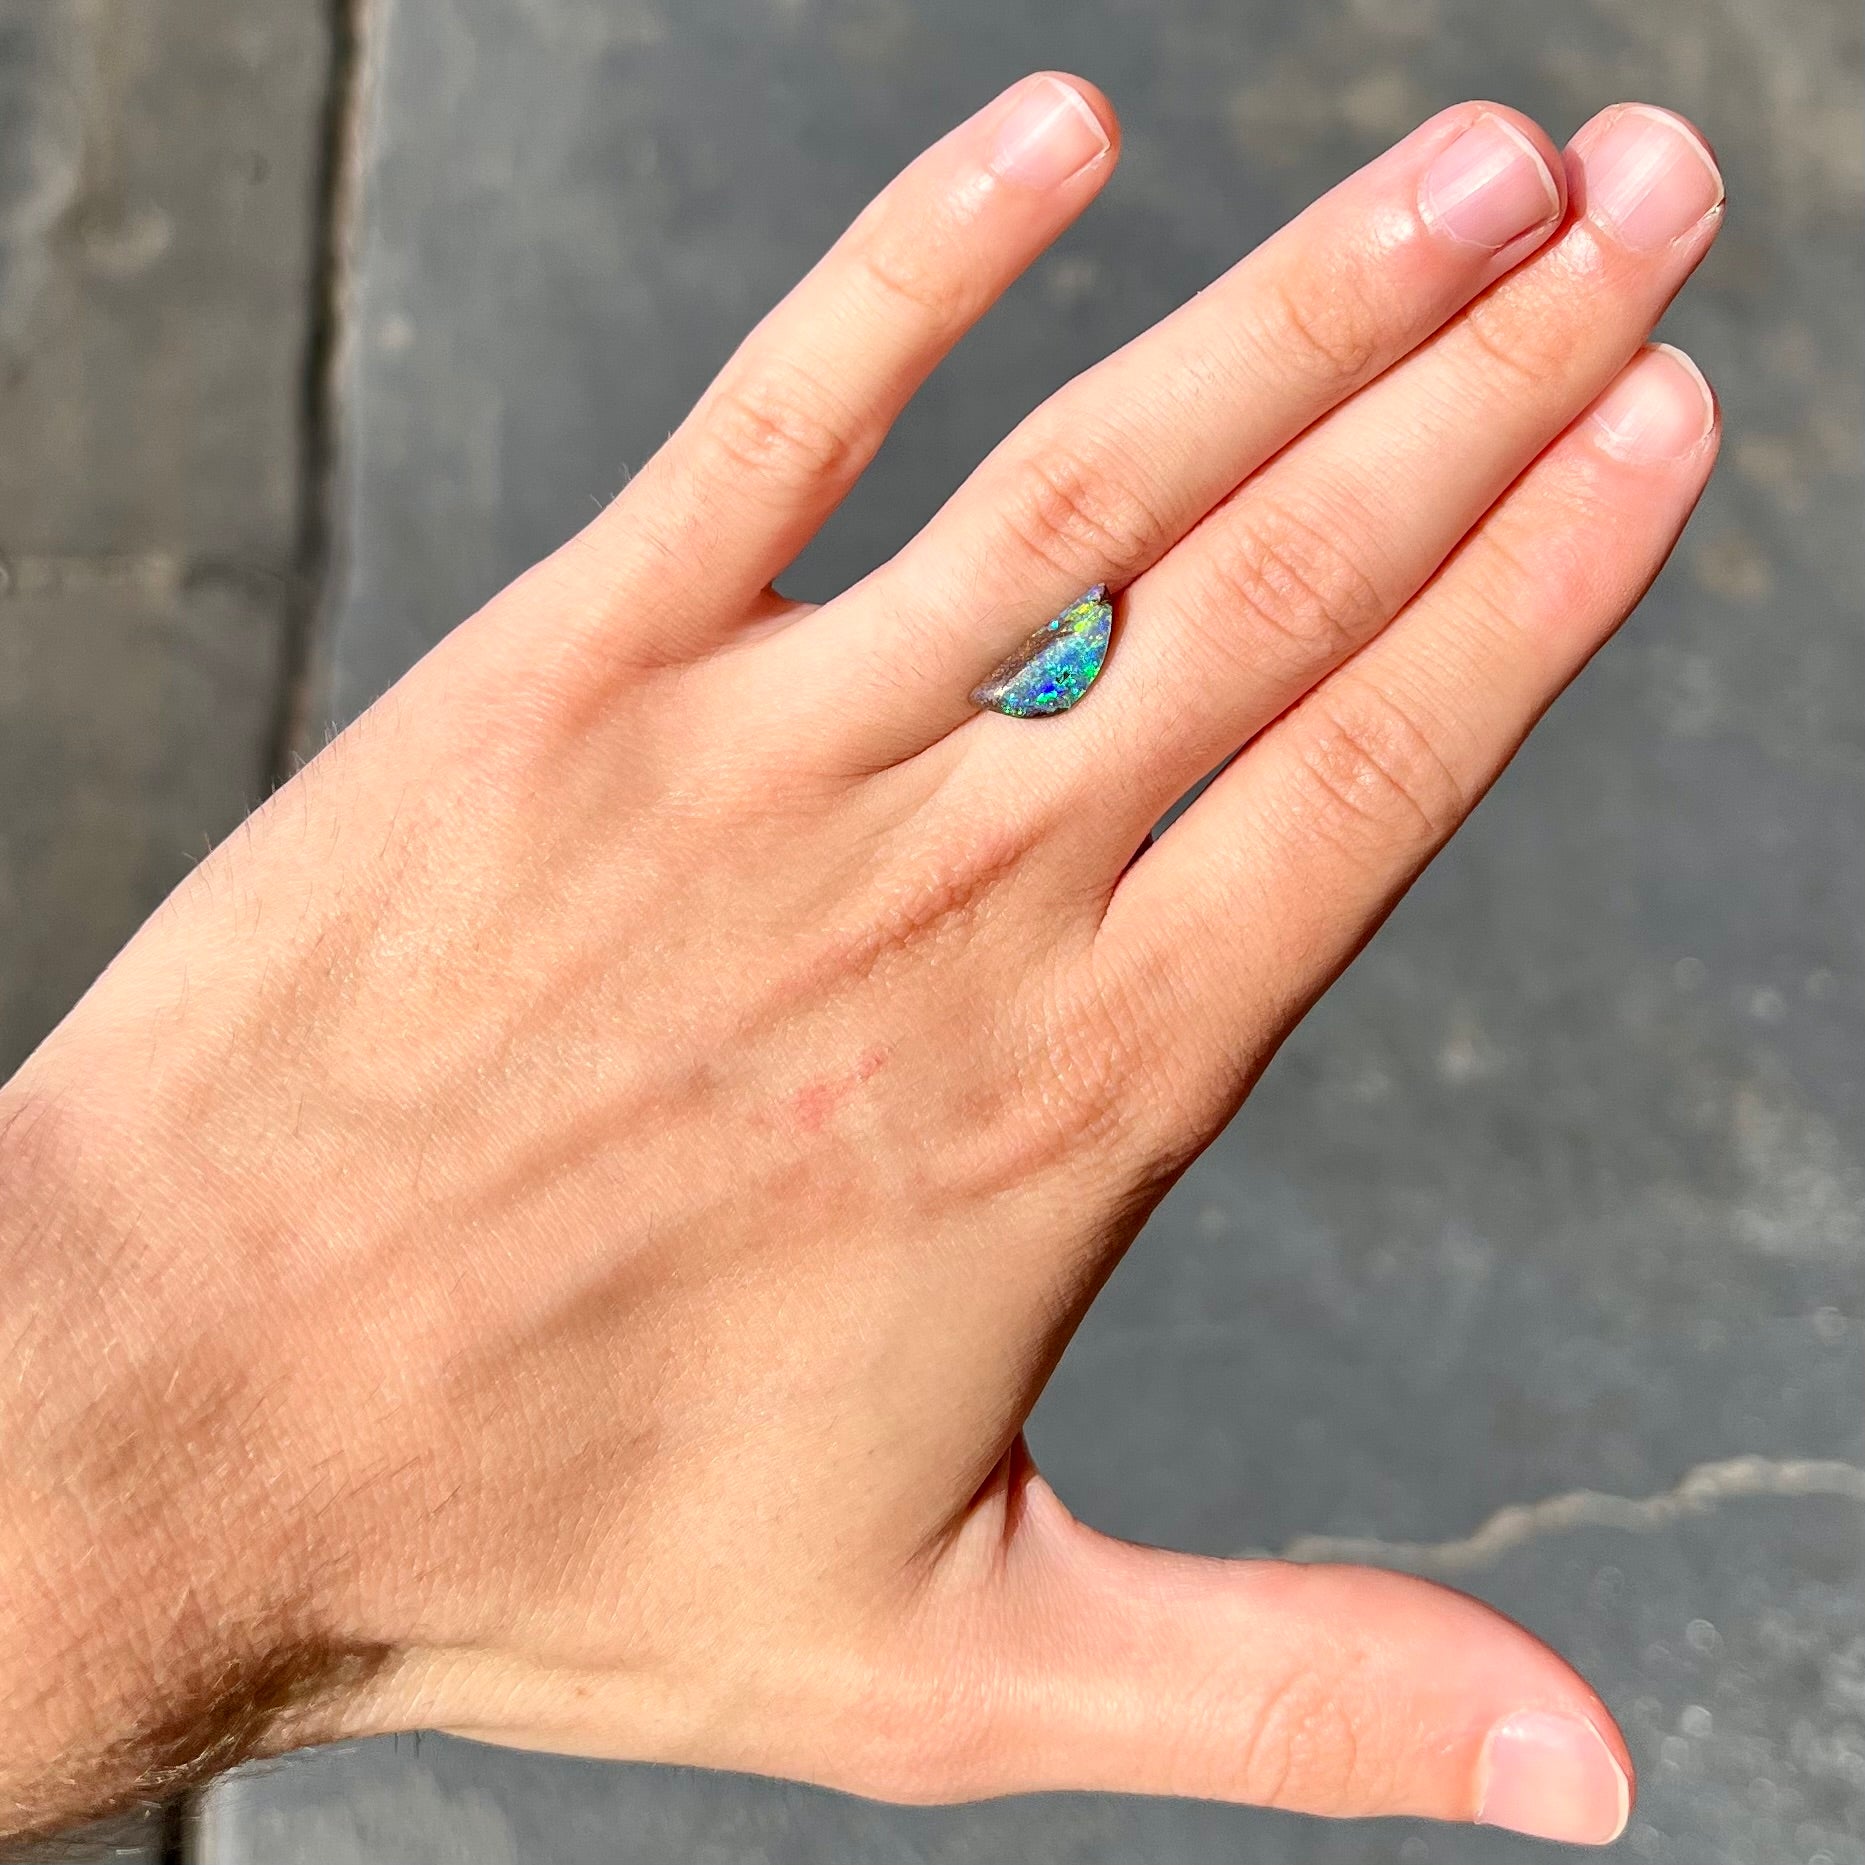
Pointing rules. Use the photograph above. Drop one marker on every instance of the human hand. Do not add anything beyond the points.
(571, 1207)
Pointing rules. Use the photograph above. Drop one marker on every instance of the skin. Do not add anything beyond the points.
(554, 1230)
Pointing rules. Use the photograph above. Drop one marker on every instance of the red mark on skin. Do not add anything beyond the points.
(813, 1104)
(815, 1101)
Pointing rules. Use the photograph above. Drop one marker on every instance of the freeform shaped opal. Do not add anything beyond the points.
(1056, 665)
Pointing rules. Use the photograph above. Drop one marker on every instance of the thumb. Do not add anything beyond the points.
(1334, 1690)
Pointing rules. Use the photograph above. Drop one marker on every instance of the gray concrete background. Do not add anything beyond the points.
(1535, 1263)
(157, 164)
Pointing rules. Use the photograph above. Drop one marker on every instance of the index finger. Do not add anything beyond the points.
(784, 431)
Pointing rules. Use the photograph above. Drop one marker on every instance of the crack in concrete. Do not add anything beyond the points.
(339, 209)
(1701, 1489)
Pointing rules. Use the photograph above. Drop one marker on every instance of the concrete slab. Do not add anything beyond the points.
(1563, 1188)
(158, 168)
(136, 1840)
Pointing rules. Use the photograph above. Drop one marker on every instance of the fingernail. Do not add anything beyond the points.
(1553, 1777)
(1050, 135)
(1649, 178)
(1660, 409)
(1489, 187)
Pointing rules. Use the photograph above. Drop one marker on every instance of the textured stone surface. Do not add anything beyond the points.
(157, 163)
(1563, 1189)
(137, 1839)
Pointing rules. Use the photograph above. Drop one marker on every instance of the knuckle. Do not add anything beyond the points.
(1510, 581)
(1374, 776)
(1507, 568)
(1561, 562)
(1304, 1750)
(1086, 1098)
(1334, 336)
(1281, 574)
(1070, 511)
(1064, 1103)
(1103, 1032)
(1526, 353)
(933, 896)
(1553, 562)
(910, 273)
(777, 423)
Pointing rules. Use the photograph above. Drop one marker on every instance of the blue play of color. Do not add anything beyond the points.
(1056, 665)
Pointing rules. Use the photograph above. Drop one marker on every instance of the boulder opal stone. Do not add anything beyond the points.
(1056, 665)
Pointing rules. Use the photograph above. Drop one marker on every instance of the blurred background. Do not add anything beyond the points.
(1538, 1261)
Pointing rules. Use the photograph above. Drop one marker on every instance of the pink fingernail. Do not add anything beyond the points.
(1660, 409)
(1553, 1777)
(1489, 187)
(1649, 178)
(1049, 136)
